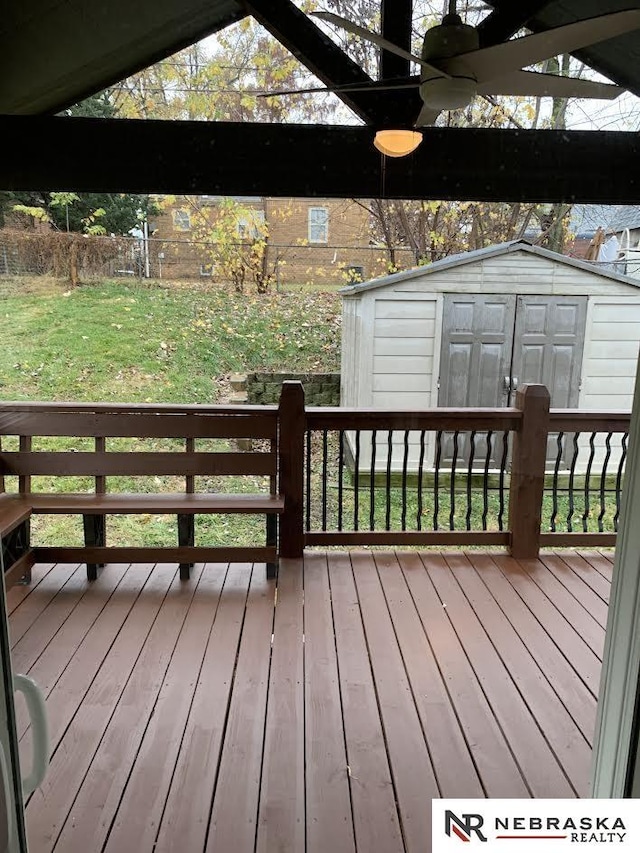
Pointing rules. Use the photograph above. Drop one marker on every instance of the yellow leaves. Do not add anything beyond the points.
(38, 214)
(165, 202)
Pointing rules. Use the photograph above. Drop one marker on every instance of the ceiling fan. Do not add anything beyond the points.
(454, 68)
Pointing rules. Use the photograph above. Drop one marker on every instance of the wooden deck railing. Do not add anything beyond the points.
(99, 460)
(520, 477)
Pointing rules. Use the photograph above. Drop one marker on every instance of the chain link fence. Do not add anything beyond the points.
(82, 257)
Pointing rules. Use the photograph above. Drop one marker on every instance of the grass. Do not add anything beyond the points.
(123, 341)
(117, 341)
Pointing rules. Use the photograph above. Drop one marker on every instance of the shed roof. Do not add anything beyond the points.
(463, 258)
(586, 218)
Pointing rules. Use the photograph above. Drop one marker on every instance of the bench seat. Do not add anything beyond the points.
(169, 503)
(16, 509)
(17, 556)
(13, 511)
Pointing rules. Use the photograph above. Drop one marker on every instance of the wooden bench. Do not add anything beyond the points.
(200, 431)
(17, 557)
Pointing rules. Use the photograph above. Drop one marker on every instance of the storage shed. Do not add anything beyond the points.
(467, 330)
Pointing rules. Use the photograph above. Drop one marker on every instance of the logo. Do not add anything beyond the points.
(535, 826)
(463, 826)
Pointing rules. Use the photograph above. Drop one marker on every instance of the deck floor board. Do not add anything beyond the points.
(318, 712)
(453, 764)
(532, 752)
(556, 724)
(409, 755)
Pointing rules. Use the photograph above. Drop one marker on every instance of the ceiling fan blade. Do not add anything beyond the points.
(491, 62)
(375, 86)
(537, 85)
(378, 40)
(427, 116)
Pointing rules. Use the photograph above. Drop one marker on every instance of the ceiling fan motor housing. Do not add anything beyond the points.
(449, 39)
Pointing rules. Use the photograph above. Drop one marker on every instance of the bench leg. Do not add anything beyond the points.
(186, 536)
(94, 535)
(272, 539)
(14, 546)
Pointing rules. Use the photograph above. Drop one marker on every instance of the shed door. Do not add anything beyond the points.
(477, 341)
(491, 344)
(477, 344)
(548, 344)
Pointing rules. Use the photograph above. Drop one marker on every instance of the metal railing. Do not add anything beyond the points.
(464, 476)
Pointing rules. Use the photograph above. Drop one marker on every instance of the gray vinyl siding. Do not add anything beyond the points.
(393, 332)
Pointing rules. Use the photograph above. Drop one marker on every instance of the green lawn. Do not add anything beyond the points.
(127, 342)
(118, 341)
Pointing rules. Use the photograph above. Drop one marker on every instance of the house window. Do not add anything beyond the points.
(250, 225)
(318, 225)
(181, 220)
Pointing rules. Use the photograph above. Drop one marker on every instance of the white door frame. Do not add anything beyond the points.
(615, 760)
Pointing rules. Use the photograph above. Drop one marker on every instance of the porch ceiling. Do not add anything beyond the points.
(55, 52)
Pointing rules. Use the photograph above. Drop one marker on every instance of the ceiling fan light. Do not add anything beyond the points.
(453, 94)
(397, 143)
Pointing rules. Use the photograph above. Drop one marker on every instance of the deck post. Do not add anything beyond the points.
(291, 418)
(527, 471)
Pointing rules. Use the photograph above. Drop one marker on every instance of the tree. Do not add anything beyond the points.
(221, 82)
(235, 240)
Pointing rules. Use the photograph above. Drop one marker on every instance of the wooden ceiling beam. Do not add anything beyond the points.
(396, 27)
(507, 19)
(297, 32)
(227, 158)
(313, 49)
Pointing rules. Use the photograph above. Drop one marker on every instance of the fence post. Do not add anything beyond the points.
(527, 471)
(291, 418)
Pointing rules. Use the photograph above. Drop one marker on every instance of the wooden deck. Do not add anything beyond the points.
(220, 714)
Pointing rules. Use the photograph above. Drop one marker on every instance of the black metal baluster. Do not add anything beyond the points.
(572, 473)
(340, 476)
(420, 476)
(472, 450)
(603, 483)
(308, 480)
(325, 446)
(372, 483)
(405, 464)
(485, 481)
(587, 479)
(503, 470)
(436, 479)
(623, 456)
(554, 488)
(387, 518)
(452, 484)
(356, 482)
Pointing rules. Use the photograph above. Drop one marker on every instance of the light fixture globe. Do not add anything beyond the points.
(456, 93)
(397, 143)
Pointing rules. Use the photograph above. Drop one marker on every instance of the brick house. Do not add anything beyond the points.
(309, 240)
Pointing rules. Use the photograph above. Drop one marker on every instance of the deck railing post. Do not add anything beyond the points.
(527, 471)
(291, 417)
